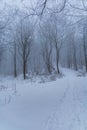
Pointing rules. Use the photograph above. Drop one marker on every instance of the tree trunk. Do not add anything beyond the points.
(85, 55)
(86, 64)
(15, 62)
(75, 62)
(24, 70)
(49, 68)
(57, 60)
(15, 68)
(85, 47)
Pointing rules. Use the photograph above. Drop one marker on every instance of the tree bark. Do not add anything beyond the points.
(15, 62)
(24, 70)
(57, 60)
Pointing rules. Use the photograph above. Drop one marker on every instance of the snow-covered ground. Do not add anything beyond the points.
(36, 105)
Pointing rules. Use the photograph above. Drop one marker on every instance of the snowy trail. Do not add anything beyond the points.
(59, 105)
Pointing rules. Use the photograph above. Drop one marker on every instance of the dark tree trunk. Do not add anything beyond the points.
(85, 46)
(86, 64)
(57, 60)
(75, 62)
(15, 62)
(85, 55)
(15, 68)
(24, 70)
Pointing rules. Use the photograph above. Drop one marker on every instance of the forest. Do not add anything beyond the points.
(43, 64)
(39, 37)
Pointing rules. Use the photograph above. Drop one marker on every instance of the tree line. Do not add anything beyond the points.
(41, 46)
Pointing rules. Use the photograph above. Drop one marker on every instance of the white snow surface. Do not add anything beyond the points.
(53, 105)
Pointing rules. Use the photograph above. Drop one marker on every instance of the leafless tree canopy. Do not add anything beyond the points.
(42, 36)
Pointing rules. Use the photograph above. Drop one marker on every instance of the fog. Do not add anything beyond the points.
(58, 32)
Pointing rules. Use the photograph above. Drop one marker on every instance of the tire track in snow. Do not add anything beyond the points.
(67, 114)
(80, 109)
(51, 121)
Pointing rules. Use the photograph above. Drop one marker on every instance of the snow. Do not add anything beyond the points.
(53, 105)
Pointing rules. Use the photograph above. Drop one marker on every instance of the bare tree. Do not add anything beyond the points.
(85, 45)
(40, 6)
(83, 6)
(47, 55)
(3, 24)
(57, 37)
(74, 56)
(15, 59)
(59, 9)
(24, 38)
(13, 49)
(58, 45)
(53, 40)
(47, 45)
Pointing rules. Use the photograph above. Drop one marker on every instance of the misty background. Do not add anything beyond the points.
(40, 36)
